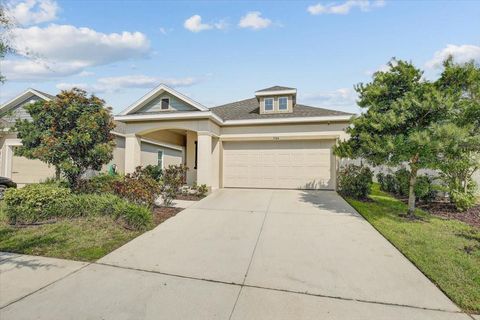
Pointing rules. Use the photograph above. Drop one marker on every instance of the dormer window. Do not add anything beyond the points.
(283, 104)
(165, 104)
(268, 104)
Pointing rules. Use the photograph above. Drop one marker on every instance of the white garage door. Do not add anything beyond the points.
(290, 164)
(25, 171)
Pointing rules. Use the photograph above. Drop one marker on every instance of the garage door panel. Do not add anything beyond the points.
(26, 171)
(279, 164)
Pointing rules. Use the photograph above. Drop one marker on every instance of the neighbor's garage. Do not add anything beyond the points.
(26, 171)
(289, 164)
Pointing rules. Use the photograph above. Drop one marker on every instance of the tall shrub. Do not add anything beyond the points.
(355, 181)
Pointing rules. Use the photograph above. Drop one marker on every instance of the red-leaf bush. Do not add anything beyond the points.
(138, 187)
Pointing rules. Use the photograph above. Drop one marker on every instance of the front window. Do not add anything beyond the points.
(160, 158)
(283, 103)
(269, 104)
(165, 103)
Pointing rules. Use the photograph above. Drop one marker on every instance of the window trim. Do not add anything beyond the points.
(279, 109)
(168, 103)
(162, 158)
(264, 104)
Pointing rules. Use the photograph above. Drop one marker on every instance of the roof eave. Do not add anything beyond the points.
(275, 92)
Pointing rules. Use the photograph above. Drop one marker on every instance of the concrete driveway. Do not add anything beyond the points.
(248, 254)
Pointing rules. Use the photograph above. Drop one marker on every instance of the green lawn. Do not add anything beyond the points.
(83, 239)
(446, 251)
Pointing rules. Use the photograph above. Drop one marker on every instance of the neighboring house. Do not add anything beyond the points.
(267, 141)
(24, 171)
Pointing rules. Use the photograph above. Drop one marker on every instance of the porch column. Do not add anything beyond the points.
(132, 152)
(204, 159)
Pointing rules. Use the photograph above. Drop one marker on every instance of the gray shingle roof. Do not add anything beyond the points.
(250, 109)
(276, 88)
(45, 94)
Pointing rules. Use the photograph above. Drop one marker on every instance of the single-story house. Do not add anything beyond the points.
(266, 141)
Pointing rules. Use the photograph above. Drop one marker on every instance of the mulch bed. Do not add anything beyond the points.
(447, 210)
(188, 197)
(160, 214)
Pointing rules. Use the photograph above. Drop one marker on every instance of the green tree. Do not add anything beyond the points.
(458, 140)
(70, 132)
(395, 127)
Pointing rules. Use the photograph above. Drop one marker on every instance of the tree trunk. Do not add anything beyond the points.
(57, 173)
(411, 191)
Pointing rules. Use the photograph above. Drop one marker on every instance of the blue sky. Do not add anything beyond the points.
(217, 52)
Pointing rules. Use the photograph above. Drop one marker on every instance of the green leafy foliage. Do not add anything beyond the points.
(102, 183)
(398, 184)
(425, 188)
(355, 181)
(396, 127)
(155, 172)
(202, 190)
(387, 182)
(32, 203)
(37, 203)
(402, 178)
(138, 187)
(130, 215)
(172, 180)
(463, 200)
(70, 132)
(458, 140)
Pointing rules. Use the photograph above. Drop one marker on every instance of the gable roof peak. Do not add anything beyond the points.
(30, 92)
(137, 105)
(276, 88)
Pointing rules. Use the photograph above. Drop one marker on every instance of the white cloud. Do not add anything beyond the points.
(114, 84)
(461, 54)
(60, 50)
(254, 20)
(86, 74)
(33, 11)
(345, 7)
(343, 99)
(195, 24)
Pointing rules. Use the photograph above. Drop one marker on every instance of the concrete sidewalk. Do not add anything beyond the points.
(21, 275)
(248, 254)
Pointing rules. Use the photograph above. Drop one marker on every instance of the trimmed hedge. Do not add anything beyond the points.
(33, 203)
(37, 203)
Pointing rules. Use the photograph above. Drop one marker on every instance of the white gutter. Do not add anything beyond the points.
(218, 120)
(170, 116)
(275, 92)
(287, 120)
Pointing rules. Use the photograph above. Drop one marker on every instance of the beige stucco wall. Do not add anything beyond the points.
(166, 136)
(149, 155)
(146, 127)
(286, 131)
(118, 155)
